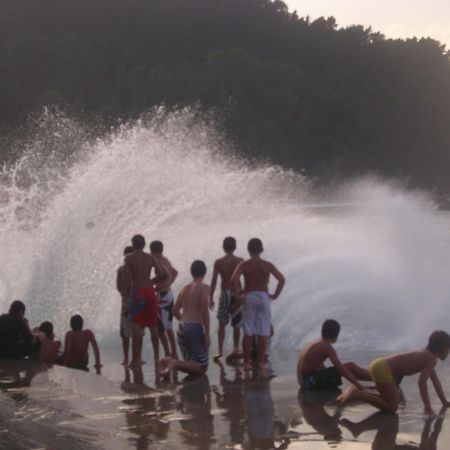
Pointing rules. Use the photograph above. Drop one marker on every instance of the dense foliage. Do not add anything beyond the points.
(304, 94)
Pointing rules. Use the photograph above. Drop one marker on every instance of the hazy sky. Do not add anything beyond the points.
(394, 18)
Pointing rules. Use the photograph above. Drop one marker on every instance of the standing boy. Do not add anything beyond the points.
(384, 372)
(229, 305)
(311, 371)
(191, 310)
(165, 300)
(124, 288)
(143, 306)
(256, 314)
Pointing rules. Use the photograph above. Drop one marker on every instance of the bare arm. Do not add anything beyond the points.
(127, 278)
(236, 280)
(342, 369)
(281, 280)
(178, 305)
(94, 344)
(160, 274)
(213, 285)
(205, 315)
(438, 388)
(423, 388)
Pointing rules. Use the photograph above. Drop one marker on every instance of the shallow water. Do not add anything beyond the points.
(121, 409)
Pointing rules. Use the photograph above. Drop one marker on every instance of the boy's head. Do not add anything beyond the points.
(17, 308)
(76, 322)
(127, 250)
(330, 330)
(198, 269)
(47, 329)
(138, 241)
(229, 244)
(255, 246)
(156, 247)
(439, 344)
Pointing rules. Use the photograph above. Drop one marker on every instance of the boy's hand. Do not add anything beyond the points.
(272, 297)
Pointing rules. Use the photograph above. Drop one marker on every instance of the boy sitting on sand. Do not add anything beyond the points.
(311, 372)
(191, 310)
(48, 352)
(76, 345)
(385, 370)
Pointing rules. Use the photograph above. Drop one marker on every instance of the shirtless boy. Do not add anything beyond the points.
(126, 326)
(384, 371)
(256, 314)
(76, 345)
(48, 353)
(229, 306)
(191, 310)
(165, 300)
(311, 371)
(143, 306)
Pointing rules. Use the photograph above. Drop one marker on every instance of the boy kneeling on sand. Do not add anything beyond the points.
(384, 372)
(311, 371)
(192, 311)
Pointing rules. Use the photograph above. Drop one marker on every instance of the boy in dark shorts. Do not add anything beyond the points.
(385, 371)
(229, 309)
(191, 310)
(311, 371)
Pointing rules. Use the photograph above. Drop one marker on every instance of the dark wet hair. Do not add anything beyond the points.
(156, 247)
(255, 246)
(330, 329)
(138, 241)
(47, 329)
(127, 250)
(76, 322)
(198, 269)
(17, 308)
(229, 244)
(438, 340)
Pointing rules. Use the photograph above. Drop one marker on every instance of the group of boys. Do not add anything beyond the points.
(18, 340)
(149, 302)
(386, 372)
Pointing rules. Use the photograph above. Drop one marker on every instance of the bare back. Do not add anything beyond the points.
(226, 266)
(139, 265)
(256, 272)
(76, 347)
(313, 356)
(169, 271)
(194, 299)
(411, 363)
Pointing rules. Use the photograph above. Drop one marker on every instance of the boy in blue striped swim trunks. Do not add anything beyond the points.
(229, 306)
(192, 311)
(256, 314)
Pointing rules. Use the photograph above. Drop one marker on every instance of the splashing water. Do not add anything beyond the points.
(377, 260)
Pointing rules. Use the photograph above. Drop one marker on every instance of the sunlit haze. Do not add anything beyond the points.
(393, 18)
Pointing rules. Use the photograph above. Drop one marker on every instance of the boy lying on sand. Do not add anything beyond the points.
(385, 370)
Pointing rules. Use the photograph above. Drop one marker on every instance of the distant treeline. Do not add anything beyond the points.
(301, 93)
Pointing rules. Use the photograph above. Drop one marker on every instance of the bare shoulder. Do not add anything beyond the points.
(205, 287)
(89, 333)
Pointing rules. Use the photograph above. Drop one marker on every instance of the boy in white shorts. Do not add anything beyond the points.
(256, 314)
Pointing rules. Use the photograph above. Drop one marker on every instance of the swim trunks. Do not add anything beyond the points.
(229, 308)
(256, 314)
(327, 378)
(143, 307)
(165, 311)
(191, 339)
(381, 372)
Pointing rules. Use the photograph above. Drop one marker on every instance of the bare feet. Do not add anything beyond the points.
(124, 362)
(218, 356)
(166, 366)
(247, 367)
(136, 363)
(347, 396)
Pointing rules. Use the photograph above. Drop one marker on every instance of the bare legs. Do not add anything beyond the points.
(262, 350)
(358, 372)
(155, 343)
(221, 339)
(136, 345)
(126, 350)
(169, 364)
(236, 339)
(386, 400)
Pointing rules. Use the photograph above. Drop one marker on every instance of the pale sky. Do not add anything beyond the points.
(393, 18)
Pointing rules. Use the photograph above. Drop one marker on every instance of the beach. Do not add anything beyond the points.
(54, 408)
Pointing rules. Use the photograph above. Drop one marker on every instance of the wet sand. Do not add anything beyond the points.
(60, 408)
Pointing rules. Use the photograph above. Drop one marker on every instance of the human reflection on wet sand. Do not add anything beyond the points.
(145, 410)
(387, 426)
(312, 404)
(18, 374)
(260, 416)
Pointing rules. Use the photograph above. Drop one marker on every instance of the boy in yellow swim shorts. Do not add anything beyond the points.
(385, 371)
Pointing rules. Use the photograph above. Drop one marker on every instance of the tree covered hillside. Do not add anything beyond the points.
(304, 94)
